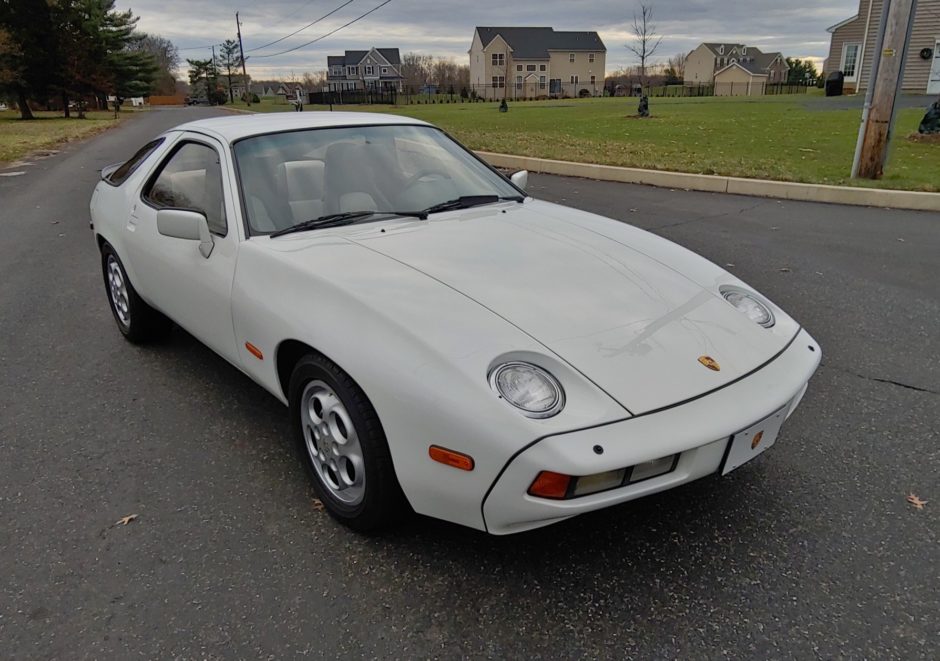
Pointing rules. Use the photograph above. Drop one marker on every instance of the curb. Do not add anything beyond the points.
(786, 190)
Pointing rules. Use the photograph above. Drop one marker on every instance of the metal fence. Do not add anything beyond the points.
(354, 97)
(715, 89)
(535, 91)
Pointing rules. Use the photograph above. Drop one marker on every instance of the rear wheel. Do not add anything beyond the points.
(136, 320)
(341, 441)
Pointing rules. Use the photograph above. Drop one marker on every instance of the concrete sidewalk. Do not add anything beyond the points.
(786, 190)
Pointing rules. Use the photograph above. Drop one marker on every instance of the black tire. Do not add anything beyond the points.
(383, 503)
(139, 323)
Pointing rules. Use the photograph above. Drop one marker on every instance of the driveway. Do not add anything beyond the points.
(811, 551)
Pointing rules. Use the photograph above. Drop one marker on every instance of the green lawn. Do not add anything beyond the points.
(48, 130)
(771, 137)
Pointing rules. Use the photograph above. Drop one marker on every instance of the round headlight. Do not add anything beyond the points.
(750, 305)
(530, 389)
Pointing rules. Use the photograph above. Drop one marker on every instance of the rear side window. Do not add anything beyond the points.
(127, 169)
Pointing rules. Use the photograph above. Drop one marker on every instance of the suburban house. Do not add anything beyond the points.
(375, 69)
(853, 44)
(291, 91)
(735, 69)
(529, 62)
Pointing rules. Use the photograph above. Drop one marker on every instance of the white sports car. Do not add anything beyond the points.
(444, 342)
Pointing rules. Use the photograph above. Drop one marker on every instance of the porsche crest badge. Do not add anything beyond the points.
(710, 363)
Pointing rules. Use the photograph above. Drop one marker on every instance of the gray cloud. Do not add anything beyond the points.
(798, 29)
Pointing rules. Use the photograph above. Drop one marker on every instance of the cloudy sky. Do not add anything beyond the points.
(445, 27)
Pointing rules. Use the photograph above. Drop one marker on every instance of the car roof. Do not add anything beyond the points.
(234, 127)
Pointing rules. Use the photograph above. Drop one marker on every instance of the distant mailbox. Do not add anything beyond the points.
(834, 83)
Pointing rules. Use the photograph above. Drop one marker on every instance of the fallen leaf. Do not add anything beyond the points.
(900, 239)
(318, 505)
(124, 520)
(785, 270)
(729, 265)
(916, 501)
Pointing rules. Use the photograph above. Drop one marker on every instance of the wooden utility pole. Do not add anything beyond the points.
(241, 53)
(888, 60)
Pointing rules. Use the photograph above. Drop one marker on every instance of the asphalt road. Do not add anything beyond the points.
(810, 551)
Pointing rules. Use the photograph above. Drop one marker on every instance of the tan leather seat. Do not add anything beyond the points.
(301, 184)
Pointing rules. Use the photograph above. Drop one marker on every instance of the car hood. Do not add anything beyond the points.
(633, 325)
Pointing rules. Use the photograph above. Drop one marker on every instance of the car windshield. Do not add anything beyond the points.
(292, 177)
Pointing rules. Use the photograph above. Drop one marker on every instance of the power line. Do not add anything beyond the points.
(199, 47)
(276, 41)
(332, 32)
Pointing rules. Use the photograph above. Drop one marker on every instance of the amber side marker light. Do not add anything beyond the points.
(550, 485)
(451, 458)
(254, 351)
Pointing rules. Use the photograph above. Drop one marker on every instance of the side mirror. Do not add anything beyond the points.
(520, 179)
(189, 225)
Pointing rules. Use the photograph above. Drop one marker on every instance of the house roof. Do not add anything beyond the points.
(390, 54)
(354, 57)
(535, 43)
(833, 28)
(751, 71)
(715, 47)
(755, 61)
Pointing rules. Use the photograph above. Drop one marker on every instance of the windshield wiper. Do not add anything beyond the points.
(345, 218)
(467, 201)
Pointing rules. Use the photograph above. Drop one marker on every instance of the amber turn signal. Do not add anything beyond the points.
(450, 458)
(254, 351)
(550, 485)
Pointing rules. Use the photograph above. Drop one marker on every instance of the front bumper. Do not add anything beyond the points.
(699, 431)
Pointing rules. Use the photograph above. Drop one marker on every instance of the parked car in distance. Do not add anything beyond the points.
(444, 343)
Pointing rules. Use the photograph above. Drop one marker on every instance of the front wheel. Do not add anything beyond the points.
(136, 320)
(340, 440)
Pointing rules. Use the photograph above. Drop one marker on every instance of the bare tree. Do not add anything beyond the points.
(677, 64)
(315, 81)
(645, 39)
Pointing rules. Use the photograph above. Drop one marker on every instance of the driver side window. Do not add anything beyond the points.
(191, 179)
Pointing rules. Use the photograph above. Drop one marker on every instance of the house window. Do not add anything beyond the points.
(337, 71)
(574, 80)
(499, 82)
(499, 59)
(352, 71)
(530, 67)
(541, 67)
(593, 80)
(571, 57)
(590, 57)
(541, 82)
(518, 67)
(850, 61)
(743, 50)
(384, 71)
(369, 70)
(518, 82)
(721, 49)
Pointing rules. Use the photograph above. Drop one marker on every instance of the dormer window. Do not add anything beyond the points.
(721, 49)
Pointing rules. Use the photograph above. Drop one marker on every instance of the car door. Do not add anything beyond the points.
(173, 275)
